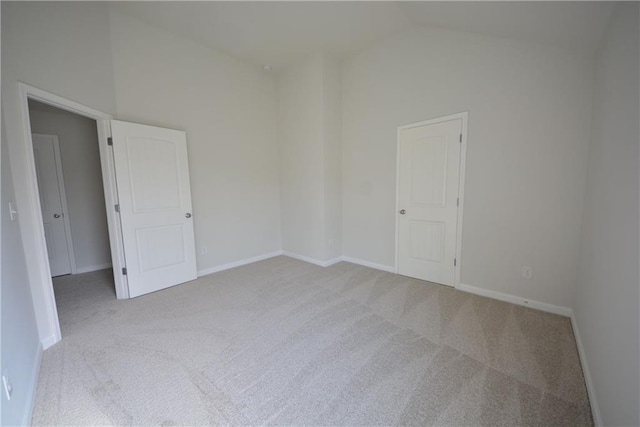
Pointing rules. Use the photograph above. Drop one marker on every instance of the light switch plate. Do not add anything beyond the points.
(12, 212)
(8, 388)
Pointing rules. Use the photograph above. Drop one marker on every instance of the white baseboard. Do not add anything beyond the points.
(91, 268)
(234, 264)
(246, 261)
(591, 391)
(312, 260)
(33, 385)
(48, 342)
(387, 268)
(330, 262)
(543, 306)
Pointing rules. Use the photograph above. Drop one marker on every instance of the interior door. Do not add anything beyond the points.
(154, 194)
(429, 178)
(46, 152)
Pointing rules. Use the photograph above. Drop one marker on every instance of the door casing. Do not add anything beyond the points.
(464, 116)
(44, 298)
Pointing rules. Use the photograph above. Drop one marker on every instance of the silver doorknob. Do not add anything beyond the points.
(402, 212)
(187, 215)
(56, 215)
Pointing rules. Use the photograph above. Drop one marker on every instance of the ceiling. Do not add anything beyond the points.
(279, 33)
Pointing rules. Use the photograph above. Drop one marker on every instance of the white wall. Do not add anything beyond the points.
(229, 113)
(332, 129)
(301, 151)
(82, 181)
(20, 341)
(63, 48)
(529, 110)
(309, 126)
(607, 298)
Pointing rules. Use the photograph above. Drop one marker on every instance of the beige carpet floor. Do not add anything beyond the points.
(283, 342)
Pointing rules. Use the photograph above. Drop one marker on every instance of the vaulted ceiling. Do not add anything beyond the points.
(278, 33)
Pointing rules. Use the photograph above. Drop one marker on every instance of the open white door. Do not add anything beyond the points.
(154, 194)
(429, 177)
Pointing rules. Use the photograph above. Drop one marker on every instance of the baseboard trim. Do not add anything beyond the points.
(387, 268)
(591, 391)
(48, 342)
(91, 268)
(549, 308)
(332, 261)
(312, 260)
(33, 385)
(239, 263)
(293, 255)
(543, 306)
(336, 260)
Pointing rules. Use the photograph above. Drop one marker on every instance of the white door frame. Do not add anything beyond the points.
(464, 116)
(32, 219)
(63, 201)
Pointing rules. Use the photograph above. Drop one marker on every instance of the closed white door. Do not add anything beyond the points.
(429, 178)
(55, 220)
(154, 194)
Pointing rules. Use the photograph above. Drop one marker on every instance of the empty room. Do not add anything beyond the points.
(320, 213)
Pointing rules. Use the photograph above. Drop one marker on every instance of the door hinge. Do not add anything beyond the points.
(109, 141)
(455, 262)
(124, 271)
(460, 137)
(117, 208)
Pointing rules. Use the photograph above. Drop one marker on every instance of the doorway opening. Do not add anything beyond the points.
(147, 207)
(67, 161)
(34, 238)
(72, 202)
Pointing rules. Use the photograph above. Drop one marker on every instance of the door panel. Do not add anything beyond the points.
(46, 152)
(428, 171)
(152, 175)
(427, 240)
(154, 186)
(160, 246)
(428, 193)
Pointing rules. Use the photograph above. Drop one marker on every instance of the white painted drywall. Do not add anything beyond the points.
(62, 48)
(309, 140)
(301, 151)
(529, 111)
(606, 304)
(332, 130)
(20, 341)
(228, 110)
(80, 158)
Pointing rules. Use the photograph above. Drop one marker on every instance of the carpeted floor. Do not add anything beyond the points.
(283, 342)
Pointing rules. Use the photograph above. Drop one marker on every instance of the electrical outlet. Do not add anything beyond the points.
(527, 272)
(204, 250)
(8, 388)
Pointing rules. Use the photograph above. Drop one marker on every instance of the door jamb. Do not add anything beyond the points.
(40, 260)
(464, 116)
(63, 200)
